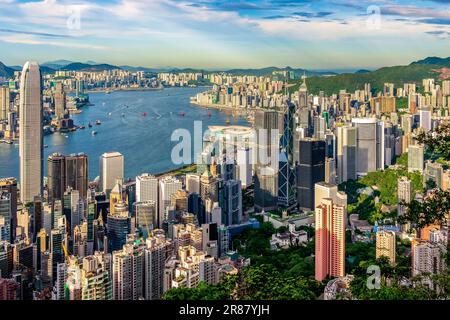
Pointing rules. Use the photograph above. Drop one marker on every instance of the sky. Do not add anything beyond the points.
(312, 34)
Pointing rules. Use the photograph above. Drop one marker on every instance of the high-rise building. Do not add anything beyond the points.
(118, 226)
(4, 102)
(404, 193)
(346, 153)
(369, 145)
(77, 173)
(147, 188)
(266, 189)
(330, 240)
(128, 272)
(146, 213)
(433, 172)
(193, 183)
(111, 169)
(323, 190)
(310, 170)
(10, 186)
(244, 166)
(157, 247)
(385, 245)
(31, 137)
(425, 119)
(415, 158)
(60, 100)
(232, 202)
(427, 257)
(167, 187)
(5, 216)
(56, 176)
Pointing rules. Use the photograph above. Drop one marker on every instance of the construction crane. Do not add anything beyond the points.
(66, 254)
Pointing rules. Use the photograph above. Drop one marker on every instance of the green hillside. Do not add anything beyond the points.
(351, 81)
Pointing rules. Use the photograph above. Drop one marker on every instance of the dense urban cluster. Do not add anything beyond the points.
(318, 183)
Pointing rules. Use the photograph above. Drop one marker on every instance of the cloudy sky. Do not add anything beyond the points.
(315, 34)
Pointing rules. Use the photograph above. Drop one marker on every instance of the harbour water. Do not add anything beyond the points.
(138, 124)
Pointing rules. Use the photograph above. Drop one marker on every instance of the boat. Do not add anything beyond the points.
(109, 114)
(45, 146)
(90, 125)
(98, 122)
(144, 114)
(82, 127)
(107, 92)
(209, 114)
(123, 115)
(182, 114)
(94, 132)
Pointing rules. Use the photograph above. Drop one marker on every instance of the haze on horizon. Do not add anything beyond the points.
(335, 34)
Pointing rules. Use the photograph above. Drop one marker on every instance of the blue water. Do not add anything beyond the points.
(144, 141)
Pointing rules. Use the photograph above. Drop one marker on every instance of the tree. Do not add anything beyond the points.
(437, 141)
(433, 210)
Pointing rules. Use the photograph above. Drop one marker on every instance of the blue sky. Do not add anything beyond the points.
(335, 34)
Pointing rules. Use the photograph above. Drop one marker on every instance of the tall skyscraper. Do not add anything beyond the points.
(427, 257)
(118, 226)
(369, 145)
(111, 168)
(60, 100)
(346, 153)
(244, 166)
(330, 240)
(385, 245)
(30, 142)
(4, 102)
(404, 193)
(9, 185)
(193, 183)
(310, 170)
(232, 206)
(146, 213)
(77, 173)
(167, 187)
(147, 188)
(425, 119)
(266, 189)
(155, 257)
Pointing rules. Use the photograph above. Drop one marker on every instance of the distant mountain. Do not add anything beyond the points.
(434, 60)
(5, 71)
(134, 69)
(78, 66)
(414, 72)
(56, 64)
(362, 71)
(269, 70)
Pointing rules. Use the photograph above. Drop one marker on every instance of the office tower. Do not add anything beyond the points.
(60, 100)
(23, 224)
(383, 104)
(433, 173)
(117, 194)
(407, 121)
(303, 94)
(244, 166)
(330, 240)
(56, 174)
(4, 102)
(77, 173)
(146, 213)
(30, 142)
(90, 215)
(111, 168)
(10, 185)
(268, 126)
(118, 226)
(232, 204)
(155, 256)
(286, 171)
(346, 153)
(385, 245)
(147, 188)
(193, 183)
(60, 275)
(71, 210)
(330, 170)
(210, 239)
(369, 145)
(99, 235)
(425, 119)
(57, 241)
(266, 189)
(128, 272)
(5, 216)
(167, 187)
(209, 186)
(310, 170)
(427, 257)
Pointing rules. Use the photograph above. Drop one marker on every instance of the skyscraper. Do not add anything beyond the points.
(111, 168)
(155, 256)
(330, 240)
(77, 173)
(30, 142)
(385, 245)
(369, 145)
(404, 194)
(118, 226)
(232, 207)
(167, 187)
(415, 158)
(310, 170)
(4, 102)
(147, 188)
(56, 176)
(60, 100)
(9, 185)
(346, 153)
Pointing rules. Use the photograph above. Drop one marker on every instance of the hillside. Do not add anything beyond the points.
(268, 71)
(78, 66)
(398, 75)
(5, 71)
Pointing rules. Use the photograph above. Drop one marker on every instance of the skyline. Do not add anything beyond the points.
(225, 34)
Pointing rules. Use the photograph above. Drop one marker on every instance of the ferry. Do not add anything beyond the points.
(98, 122)
(82, 127)
(90, 125)
(182, 114)
(144, 114)
(109, 114)
(45, 146)
(94, 133)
